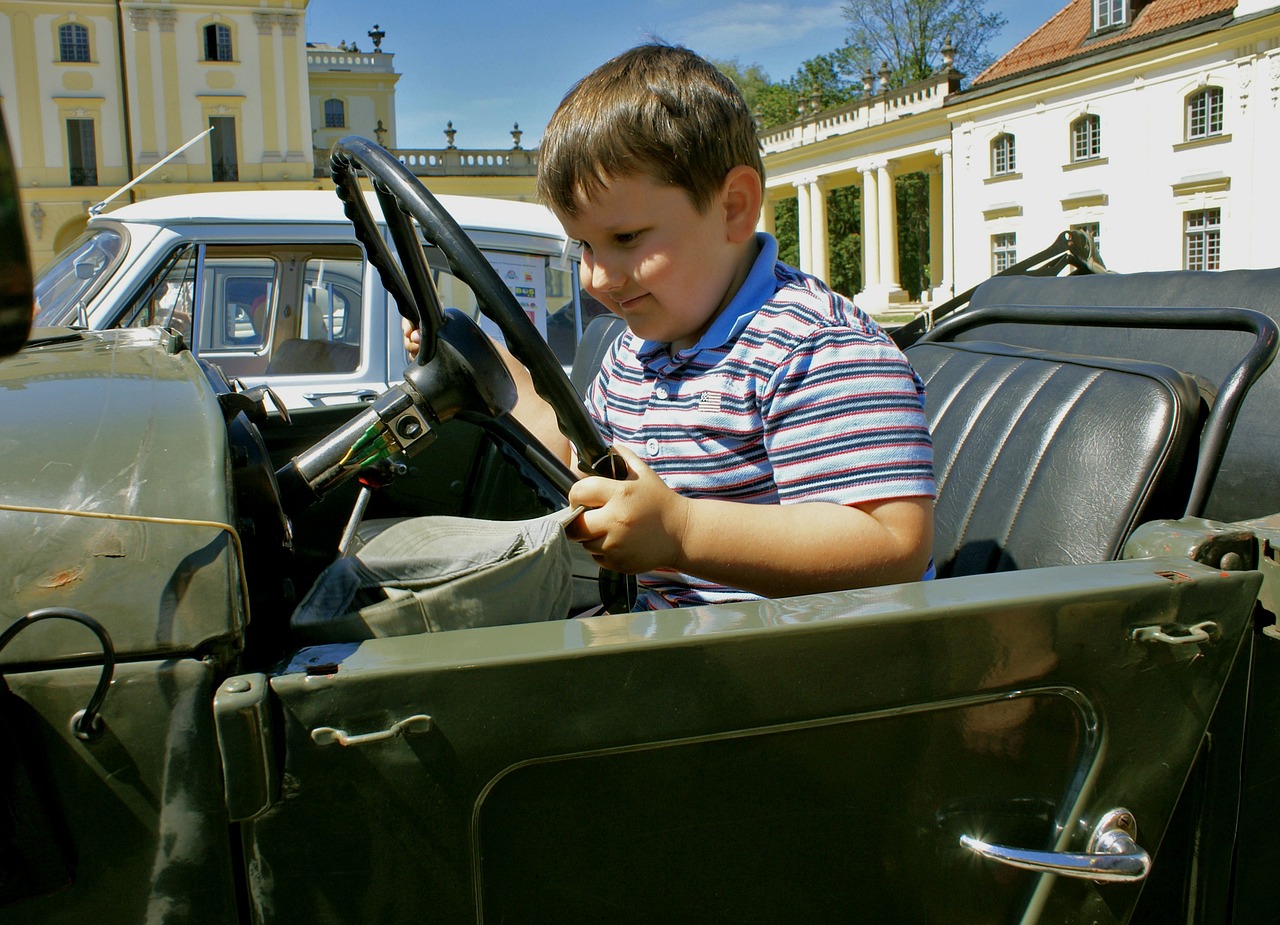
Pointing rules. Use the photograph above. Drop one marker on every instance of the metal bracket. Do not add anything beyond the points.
(1200, 632)
(327, 735)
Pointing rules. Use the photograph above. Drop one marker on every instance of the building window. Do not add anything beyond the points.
(1204, 113)
(1003, 160)
(222, 149)
(1004, 251)
(73, 42)
(1108, 13)
(82, 152)
(335, 114)
(217, 42)
(1086, 138)
(1093, 231)
(1202, 240)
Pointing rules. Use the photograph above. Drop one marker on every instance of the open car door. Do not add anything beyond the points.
(812, 759)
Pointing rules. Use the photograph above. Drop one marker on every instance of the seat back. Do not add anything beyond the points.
(1051, 459)
(596, 341)
(1248, 481)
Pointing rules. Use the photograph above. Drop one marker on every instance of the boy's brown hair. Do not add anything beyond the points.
(660, 110)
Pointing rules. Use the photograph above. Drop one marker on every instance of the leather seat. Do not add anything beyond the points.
(1044, 458)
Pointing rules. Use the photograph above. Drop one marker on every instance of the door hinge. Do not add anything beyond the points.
(250, 777)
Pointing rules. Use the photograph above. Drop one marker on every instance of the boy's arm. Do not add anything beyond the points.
(774, 550)
(531, 410)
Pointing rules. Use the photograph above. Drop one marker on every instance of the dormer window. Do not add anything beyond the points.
(1109, 13)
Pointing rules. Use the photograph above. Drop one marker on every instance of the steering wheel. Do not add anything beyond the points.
(401, 197)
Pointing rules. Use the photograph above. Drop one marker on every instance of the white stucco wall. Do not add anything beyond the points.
(1130, 191)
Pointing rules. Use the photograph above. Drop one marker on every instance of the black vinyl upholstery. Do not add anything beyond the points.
(1049, 459)
(1248, 482)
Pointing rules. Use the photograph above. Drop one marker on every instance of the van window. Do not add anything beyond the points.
(257, 310)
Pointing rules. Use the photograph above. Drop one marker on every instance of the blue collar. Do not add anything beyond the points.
(759, 287)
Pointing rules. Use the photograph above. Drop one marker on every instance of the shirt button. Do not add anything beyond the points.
(651, 446)
(662, 393)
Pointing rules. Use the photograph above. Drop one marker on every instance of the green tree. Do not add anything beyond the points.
(826, 80)
(909, 36)
(751, 80)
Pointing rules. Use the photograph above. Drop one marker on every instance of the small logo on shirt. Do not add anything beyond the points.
(708, 402)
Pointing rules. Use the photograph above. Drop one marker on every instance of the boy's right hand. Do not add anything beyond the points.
(633, 525)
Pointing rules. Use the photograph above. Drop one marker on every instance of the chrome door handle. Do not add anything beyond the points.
(1112, 853)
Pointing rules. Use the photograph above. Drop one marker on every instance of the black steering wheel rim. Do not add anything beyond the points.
(402, 196)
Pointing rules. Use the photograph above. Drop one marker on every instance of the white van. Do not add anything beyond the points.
(273, 287)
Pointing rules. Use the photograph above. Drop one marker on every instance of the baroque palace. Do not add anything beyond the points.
(1149, 124)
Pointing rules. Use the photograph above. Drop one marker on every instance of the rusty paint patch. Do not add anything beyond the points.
(1174, 576)
(61, 578)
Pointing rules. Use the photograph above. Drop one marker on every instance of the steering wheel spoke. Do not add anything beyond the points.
(416, 270)
(366, 230)
(402, 196)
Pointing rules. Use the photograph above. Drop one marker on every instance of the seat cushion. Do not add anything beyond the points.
(1051, 459)
(301, 357)
(593, 348)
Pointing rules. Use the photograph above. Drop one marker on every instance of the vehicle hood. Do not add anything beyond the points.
(115, 497)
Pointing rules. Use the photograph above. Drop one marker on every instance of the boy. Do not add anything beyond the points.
(775, 437)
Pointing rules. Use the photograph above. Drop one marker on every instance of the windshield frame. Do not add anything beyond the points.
(71, 304)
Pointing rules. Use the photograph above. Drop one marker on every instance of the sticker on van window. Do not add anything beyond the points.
(525, 276)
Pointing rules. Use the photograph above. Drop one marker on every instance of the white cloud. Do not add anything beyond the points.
(740, 29)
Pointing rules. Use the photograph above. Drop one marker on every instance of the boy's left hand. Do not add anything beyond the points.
(633, 525)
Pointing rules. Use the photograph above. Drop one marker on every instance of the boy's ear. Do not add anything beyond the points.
(741, 196)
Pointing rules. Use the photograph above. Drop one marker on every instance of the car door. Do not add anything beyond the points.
(812, 759)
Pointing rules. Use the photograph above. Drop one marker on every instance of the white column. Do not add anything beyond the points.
(806, 226)
(818, 239)
(768, 217)
(944, 279)
(935, 228)
(870, 229)
(888, 229)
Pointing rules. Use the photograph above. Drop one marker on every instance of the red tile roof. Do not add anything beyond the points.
(1067, 34)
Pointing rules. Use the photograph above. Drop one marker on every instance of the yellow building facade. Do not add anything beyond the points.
(94, 94)
(352, 91)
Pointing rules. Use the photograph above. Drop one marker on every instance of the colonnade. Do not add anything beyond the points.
(880, 272)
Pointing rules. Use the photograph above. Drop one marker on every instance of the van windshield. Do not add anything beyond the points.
(64, 285)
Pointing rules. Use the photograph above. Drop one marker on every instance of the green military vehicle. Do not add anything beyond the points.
(1071, 725)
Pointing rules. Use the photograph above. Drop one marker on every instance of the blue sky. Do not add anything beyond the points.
(487, 64)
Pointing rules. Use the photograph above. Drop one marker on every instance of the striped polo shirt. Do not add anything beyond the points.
(792, 395)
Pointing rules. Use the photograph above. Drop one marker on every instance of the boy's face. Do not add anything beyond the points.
(664, 267)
